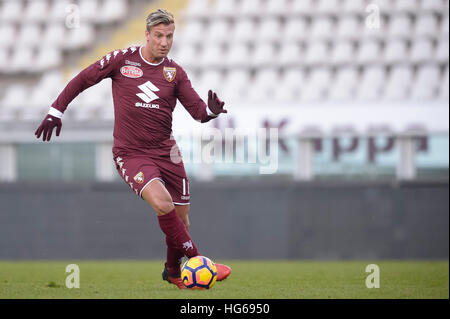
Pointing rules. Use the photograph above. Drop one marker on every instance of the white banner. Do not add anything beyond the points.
(327, 119)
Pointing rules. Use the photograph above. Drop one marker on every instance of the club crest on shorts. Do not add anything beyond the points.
(169, 73)
(139, 178)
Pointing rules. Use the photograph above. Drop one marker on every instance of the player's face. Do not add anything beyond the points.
(159, 40)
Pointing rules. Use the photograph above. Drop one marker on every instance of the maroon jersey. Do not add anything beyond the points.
(144, 96)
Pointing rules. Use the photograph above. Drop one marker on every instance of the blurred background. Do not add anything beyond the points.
(358, 90)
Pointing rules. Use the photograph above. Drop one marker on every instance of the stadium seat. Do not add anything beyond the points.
(218, 30)
(112, 11)
(317, 53)
(384, 6)
(344, 86)
(372, 83)
(250, 8)
(435, 6)
(235, 84)
(322, 28)
(378, 32)
(36, 11)
(428, 75)
(426, 26)
(264, 85)
(343, 53)
(47, 58)
(295, 29)
(400, 26)
(186, 55)
(29, 35)
(51, 82)
(354, 7)
(244, 30)
(368, 52)
(38, 105)
(210, 80)
(422, 51)
(7, 35)
(237, 56)
(293, 78)
(328, 7)
(192, 32)
(442, 51)
(263, 54)
(89, 10)
(54, 35)
(304, 7)
(349, 28)
(59, 10)
(19, 55)
(4, 58)
(426, 84)
(223, 8)
(288, 91)
(11, 105)
(408, 6)
(290, 55)
(269, 30)
(396, 51)
(445, 26)
(399, 83)
(12, 11)
(212, 56)
(196, 8)
(445, 85)
(79, 37)
(277, 8)
(317, 85)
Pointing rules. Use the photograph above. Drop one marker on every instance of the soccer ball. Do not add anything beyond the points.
(199, 273)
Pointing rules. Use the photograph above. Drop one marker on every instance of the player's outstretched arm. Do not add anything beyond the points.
(88, 77)
(47, 126)
(215, 105)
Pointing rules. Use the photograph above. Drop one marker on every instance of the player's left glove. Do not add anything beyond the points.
(215, 104)
(47, 126)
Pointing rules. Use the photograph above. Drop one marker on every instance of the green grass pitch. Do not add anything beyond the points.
(248, 280)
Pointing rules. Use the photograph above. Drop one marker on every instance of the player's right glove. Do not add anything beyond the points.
(47, 126)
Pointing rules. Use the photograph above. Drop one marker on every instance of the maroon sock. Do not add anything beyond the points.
(174, 257)
(173, 227)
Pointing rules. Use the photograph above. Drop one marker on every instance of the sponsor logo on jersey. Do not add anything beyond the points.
(147, 105)
(148, 89)
(169, 73)
(132, 63)
(131, 71)
(139, 178)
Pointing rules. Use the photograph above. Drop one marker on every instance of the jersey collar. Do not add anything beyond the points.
(142, 57)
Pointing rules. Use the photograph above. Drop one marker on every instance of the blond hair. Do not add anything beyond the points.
(158, 17)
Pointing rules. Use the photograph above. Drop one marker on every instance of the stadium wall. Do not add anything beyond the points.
(245, 220)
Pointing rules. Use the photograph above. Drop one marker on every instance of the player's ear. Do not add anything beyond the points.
(147, 35)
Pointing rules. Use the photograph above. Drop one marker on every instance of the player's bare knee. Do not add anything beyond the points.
(163, 207)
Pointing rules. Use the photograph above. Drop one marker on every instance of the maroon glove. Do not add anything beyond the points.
(215, 104)
(47, 126)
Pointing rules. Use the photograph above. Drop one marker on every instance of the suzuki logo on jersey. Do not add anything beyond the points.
(149, 95)
(131, 71)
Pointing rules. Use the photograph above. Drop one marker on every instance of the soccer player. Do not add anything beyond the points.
(145, 86)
